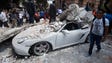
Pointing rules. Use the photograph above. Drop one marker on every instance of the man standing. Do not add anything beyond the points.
(52, 12)
(3, 18)
(64, 5)
(31, 10)
(99, 28)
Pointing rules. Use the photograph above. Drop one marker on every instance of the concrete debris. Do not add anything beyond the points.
(74, 13)
(5, 60)
(39, 31)
(6, 33)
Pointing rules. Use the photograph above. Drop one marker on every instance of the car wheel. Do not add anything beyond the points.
(40, 48)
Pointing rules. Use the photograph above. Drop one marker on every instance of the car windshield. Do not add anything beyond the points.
(56, 26)
(71, 26)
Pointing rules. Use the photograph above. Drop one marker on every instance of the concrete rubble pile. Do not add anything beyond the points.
(75, 13)
(6, 33)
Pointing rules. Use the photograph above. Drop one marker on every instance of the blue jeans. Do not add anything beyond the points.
(94, 38)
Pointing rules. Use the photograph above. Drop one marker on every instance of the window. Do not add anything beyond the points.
(71, 26)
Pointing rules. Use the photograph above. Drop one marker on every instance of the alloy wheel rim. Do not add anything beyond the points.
(41, 48)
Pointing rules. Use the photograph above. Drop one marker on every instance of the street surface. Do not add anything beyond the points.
(72, 54)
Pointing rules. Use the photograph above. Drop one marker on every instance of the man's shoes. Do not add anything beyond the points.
(88, 55)
(98, 50)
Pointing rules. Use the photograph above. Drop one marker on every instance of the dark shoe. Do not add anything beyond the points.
(88, 55)
(98, 50)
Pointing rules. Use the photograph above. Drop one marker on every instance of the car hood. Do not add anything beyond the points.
(37, 32)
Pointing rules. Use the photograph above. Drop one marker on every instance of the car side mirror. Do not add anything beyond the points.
(85, 26)
(65, 32)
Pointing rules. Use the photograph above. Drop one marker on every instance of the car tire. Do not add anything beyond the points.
(40, 48)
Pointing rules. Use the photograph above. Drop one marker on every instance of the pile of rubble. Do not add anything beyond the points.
(6, 33)
(75, 13)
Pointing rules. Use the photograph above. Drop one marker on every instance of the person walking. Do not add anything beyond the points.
(99, 29)
(52, 12)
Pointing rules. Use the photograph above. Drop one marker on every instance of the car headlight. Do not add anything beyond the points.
(22, 40)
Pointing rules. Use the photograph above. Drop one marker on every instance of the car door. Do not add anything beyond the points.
(74, 33)
(68, 36)
(73, 36)
(60, 40)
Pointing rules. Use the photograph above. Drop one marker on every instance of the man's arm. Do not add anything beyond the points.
(106, 30)
(106, 27)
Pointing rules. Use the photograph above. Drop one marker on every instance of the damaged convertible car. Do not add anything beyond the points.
(43, 38)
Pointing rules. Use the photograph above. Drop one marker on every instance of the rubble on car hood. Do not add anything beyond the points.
(38, 31)
(6, 33)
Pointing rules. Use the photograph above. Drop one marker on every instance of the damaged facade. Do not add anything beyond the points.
(96, 3)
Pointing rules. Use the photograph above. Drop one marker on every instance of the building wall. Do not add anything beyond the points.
(59, 2)
(79, 2)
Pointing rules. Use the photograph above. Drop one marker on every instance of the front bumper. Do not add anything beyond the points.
(20, 49)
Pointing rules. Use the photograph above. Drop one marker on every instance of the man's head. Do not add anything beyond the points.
(99, 14)
(53, 2)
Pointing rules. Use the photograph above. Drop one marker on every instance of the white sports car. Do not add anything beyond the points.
(42, 38)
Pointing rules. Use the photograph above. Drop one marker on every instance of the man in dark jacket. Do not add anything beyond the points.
(52, 12)
(31, 11)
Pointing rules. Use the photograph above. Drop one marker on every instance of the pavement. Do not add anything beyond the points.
(72, 54)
